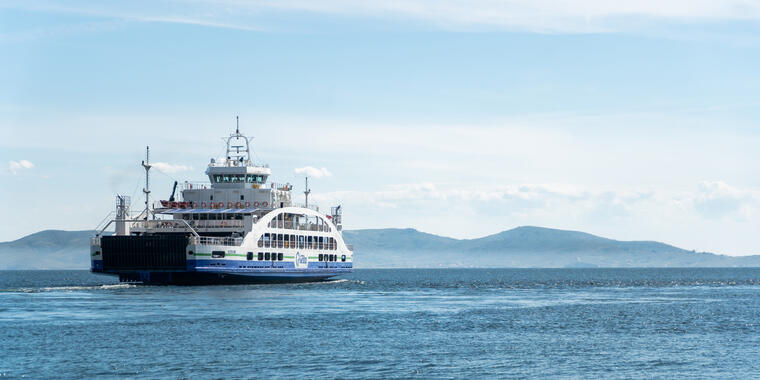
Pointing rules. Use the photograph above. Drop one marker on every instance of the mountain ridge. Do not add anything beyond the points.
(525, 246)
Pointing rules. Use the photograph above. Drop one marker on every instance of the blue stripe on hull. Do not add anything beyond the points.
(207, 272)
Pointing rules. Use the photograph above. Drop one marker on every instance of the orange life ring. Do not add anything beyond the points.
(264, 204)
(247, 204)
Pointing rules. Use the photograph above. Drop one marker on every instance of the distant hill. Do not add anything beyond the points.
(49, 249)
(524, 247)
(394, 248)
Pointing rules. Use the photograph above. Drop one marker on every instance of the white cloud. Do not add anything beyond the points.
(552, 16)
(313, 172)
(536, 15)
(717, 200)
(15, 166)
(171, 168)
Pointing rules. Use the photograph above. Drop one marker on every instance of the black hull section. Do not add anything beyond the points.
(165, 252)
(201, 278)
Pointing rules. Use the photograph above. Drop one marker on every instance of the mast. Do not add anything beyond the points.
(306, 192)
(146, 190)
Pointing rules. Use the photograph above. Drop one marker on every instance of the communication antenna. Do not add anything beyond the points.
(307, 191)
(146, 190)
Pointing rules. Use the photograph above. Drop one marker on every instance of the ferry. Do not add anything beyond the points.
(239, 228)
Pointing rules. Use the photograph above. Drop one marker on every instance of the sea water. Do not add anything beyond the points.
(399, 323)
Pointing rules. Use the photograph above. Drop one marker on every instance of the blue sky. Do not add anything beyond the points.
(631, 121)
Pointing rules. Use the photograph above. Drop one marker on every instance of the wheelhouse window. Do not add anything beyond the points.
(253, 178)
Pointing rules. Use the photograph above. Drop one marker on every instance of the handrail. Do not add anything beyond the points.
(192, 225)
(148, 221)
(104, 228)
(191, 228)
(104, 220)
(213, 240)
(310, 207)
(188, 185)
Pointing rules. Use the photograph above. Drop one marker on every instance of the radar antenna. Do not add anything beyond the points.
(238, 153)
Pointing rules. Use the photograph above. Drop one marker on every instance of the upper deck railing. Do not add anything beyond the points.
(207, 185)
(211, 240)
(174, 224)
(195, 185)
(310, 207)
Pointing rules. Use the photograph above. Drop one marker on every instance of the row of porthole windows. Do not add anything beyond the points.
(327, 257)
(265, 256)
(297, 241)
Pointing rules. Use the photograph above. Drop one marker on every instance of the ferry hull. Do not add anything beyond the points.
(199, 278)
(211, 278)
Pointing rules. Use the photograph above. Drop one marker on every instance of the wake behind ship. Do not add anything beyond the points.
(238, 228)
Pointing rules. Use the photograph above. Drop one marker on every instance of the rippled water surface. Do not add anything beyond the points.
(447, 323)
